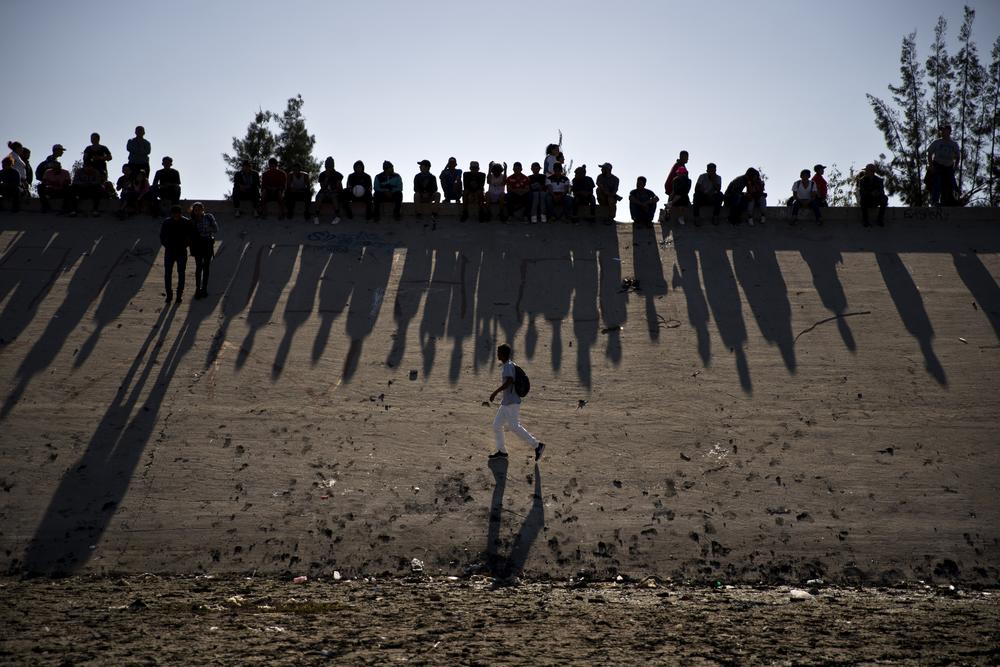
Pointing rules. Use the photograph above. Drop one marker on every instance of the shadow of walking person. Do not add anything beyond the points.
(910, 306)
(506, 567)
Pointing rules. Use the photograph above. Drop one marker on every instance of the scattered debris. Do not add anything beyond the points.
(581, 403)
(963, 340)
(413, 375)
(301, 579)
(416, 566)
(336, 575)
(798, 595)
(612, 329)
(631, 285)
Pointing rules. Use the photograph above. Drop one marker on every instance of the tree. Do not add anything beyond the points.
(963, 94)
(256, 146)
(939, 73)
(971, 78)
(841, 189)
(991, 99)
(295, 144)
(904, 136)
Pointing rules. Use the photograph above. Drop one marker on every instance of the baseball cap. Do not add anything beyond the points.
(819, 166)
(606, 164)
(424, 163)
(58, 147)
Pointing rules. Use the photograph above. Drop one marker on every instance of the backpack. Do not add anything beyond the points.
(522, 385)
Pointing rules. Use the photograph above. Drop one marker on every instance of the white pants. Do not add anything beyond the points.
(509, 416)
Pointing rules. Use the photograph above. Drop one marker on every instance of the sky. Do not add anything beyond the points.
(778, 84)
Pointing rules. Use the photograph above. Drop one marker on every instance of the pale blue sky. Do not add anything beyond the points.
(774, 83)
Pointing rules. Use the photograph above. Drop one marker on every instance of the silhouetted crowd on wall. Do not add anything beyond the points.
(547, 193)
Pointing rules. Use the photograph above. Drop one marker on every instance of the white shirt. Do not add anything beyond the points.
(803, 191)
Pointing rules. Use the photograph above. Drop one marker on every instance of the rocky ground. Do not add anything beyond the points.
(256, 620)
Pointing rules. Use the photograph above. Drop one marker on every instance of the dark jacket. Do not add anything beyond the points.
(177, 236)
(244, 182)
(871, 186)
(425, 183)
(354, 178)
(451, 183)
(474, 180)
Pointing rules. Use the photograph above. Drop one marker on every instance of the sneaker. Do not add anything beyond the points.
(335, 221)
(538, 450)
(542, 218)
(762, 219)
(316, 220)
(497, 455)
(534, 219)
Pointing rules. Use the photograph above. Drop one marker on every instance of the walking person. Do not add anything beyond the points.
(202, 247)
(176, 234)
(509, 414)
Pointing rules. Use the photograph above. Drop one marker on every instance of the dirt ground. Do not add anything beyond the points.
(754, 406)
(186, 620)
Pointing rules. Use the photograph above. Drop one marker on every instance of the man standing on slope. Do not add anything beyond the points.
(510, 408)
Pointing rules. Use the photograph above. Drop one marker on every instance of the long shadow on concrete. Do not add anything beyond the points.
(366, 303)
(723, 295)
(89, 279)
(757, 270)
(413, 285)
(981, 284)
(688, 277)
(121, 284)
(29, 268)
(276, 264)
(823, 261)
(649, 272)
(301, 301)
(910, 306)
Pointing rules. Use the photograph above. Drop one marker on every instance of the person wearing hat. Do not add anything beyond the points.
(138, 150)
(425, 190)
(821, 186)
(607, 192)
(473, 182)
(388, 188)
(176, 234)
(46, 164)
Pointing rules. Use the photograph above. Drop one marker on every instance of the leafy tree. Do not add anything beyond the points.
(257, 145)
(295, 144)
